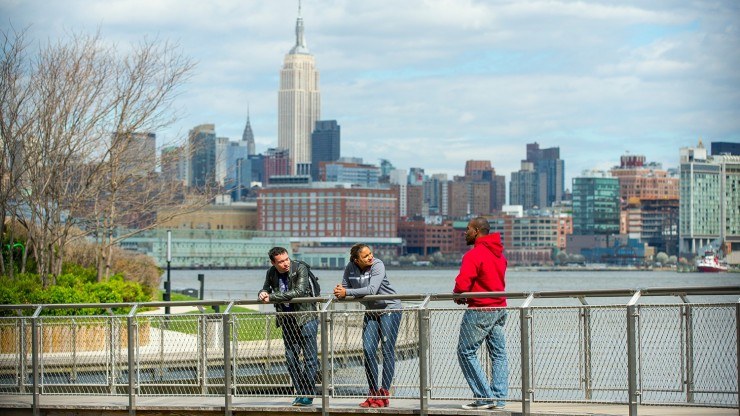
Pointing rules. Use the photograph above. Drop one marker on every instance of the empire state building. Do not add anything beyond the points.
(299, 102)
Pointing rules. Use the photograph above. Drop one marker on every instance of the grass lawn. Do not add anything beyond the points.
(250, 325)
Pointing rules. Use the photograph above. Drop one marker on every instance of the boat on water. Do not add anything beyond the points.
(710, 263)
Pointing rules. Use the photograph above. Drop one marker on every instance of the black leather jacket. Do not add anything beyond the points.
(298, 287)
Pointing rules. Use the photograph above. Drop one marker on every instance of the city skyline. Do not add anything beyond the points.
(433, 84)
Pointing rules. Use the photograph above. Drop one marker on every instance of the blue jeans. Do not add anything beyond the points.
(487, 325)
(380, 327)
(296, 340)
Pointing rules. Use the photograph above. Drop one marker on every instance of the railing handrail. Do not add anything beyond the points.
(621, 334)
(594, 293)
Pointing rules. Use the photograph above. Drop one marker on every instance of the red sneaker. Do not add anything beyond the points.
(371, 402)
(384, 397)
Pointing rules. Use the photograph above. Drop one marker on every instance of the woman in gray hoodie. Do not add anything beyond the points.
(365, 275)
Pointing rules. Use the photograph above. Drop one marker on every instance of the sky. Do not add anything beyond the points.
(433, 83)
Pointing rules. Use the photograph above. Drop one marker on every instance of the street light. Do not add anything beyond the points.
(168, 284)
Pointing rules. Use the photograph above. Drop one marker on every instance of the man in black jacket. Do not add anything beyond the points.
(284, 281)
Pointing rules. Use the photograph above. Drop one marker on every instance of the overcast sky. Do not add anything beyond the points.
(431, 84)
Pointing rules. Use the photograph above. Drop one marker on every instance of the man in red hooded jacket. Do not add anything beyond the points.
(483, 269)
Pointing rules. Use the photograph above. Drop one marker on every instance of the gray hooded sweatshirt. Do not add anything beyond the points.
(372, 282)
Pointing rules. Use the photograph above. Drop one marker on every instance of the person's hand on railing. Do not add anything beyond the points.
(461, 301)
(340, 292)
(264, 297)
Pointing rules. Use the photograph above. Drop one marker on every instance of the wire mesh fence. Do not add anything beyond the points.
(686, 354)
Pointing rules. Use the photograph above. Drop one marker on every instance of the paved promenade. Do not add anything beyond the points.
(96, 405)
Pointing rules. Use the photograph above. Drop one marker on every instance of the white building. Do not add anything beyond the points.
(299, 103)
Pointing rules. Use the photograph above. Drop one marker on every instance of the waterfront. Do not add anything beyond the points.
(244, 284)
(683, 355)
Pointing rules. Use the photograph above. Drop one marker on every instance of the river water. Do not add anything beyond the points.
(244, 284)
(558, 358)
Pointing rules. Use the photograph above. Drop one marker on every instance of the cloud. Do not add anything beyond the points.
(433, 83)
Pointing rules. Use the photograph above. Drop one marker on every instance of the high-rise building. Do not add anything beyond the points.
(498, 193)
(249, 172)
(725, 148)
(386, 167)
(459, 206)
(479, 198)
(399, 182)
(659, 218)
(171, 161)
(641, 180)
(709, 210)
(596, 207)
(481, 171)
(527, 187)
(476, 170)
(416, 176)
(414, 201)
(202, 145)
(276, 162)
(299, 102)
(236, 152)
(248, 137)
(222, 165)
(435, 194)
(528, 239)
(548, 163)
(325, 144)
(355, 173)
(135, 153)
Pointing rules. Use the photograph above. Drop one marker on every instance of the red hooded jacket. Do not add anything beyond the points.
(483, 269)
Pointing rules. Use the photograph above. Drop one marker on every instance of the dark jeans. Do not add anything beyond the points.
(380, 327)
(301, 339)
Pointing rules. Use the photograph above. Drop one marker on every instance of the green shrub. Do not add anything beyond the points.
(78, 273)
(77, 285)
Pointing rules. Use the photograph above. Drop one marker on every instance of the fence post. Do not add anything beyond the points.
(227, 359)
(632, 386)
(112, 354)
(132, 378)
(23, 364)
(325, 373)
(162, 324)
(423, 321)
(73, 369)
(586, 314)
(525, 320)
(35, 359)
(268, 335)
(203, 352)
(689, 323)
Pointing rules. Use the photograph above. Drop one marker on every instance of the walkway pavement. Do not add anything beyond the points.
(280, 405)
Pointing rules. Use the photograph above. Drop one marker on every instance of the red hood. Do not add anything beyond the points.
(492, 242)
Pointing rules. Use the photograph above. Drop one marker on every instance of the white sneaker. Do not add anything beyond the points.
(478, 406)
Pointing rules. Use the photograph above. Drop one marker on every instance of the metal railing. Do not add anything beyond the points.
(633, 353)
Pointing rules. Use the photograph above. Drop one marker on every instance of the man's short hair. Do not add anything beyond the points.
(276, 251)
(481, 223)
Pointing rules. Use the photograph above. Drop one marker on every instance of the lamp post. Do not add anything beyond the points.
(168, 284)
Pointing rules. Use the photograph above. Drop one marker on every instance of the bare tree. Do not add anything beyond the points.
(145, 86)
(84, 173)
(13, 125)
(70, 105)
